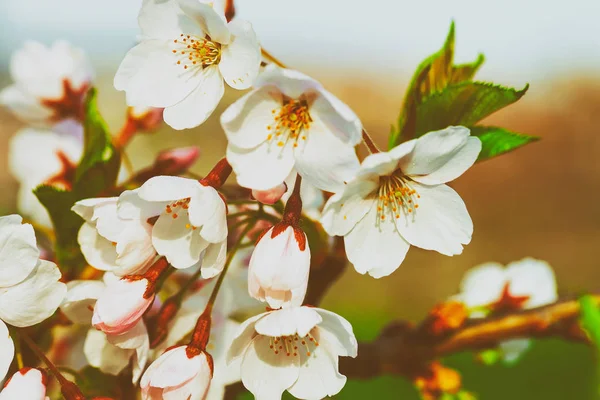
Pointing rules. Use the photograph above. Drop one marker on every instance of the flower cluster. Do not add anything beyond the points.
(169, 272)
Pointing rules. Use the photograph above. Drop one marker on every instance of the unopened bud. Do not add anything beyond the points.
(270, 196)
(145, 118)
(176, 161)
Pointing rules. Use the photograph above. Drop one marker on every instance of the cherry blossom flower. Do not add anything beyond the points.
(399, 198)
(112, 353)
(39, 156)
(493, 288)
(116, 236)
(279, 267)
(27, 383)
(178, 374)
(290, 121)
(294, 349)
(192, 226)
(30, 290)
(186, 52)
(49, 86)
(121, 305)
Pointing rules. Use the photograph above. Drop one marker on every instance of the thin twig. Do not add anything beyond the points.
(272, 58)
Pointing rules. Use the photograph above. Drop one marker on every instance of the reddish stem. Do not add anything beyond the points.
(218, 175)
(293, 207)
(370, 143)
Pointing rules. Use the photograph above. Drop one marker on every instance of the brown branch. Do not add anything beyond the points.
(405, 349)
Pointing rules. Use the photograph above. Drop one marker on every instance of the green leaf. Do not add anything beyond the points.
(496, 141)
(463, 103)
(590, 318)
(99, 165)
(432, 75)
(489, 357)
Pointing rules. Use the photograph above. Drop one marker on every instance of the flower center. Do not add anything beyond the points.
(291, 345)
(192, 51)
(396, 196)
(179, 209)
(292, 121)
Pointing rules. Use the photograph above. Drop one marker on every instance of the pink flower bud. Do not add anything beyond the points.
(121, 305)
(176, 161)
(145, 118)
(178, 374)
(28, 383)
(279, 267)
(270, 196)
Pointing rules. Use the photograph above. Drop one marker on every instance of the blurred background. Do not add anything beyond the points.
(540, 201)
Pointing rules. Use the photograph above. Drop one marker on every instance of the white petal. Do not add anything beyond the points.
(441, 156)
(207, 210)
(85, 208)
(344, 210)
(292, 83)
(159, 19)
(376, 165)
(18, 250)
(195, 108)
(27, 383)
(168, 188)
(208, 19)
(338, 333)
(101, 354)
(240, 59)
(262, 167)
(177, 241)
(244, 336)
(173, 368)
(150, 76)
(245, 122)
(533, 278)
(441, 222)
(325, 161)
(513, 349)
(121, 305)
(337, 117)
(483, 285)
(81, 296)
(288, 321)
(99, 252)
(266, 374)
(35, 299)
(319, 376)
(7, 350)
(131, 206)
(25, 106)
(214, 259)
(375, 246)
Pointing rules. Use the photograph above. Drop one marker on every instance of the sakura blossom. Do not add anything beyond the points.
(294, 349)
(399, 198)
(178, 374)
(116, 235)
(30, 291)
(290, 121)
(50, 93)
(192, 225)
(279, 267)
(186, 51)
(39, 156)
(27, 383)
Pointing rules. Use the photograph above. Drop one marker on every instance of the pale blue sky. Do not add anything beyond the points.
(523, 40)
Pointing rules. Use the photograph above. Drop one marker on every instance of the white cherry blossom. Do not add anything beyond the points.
(117, 236)
(290, 121)
(294, 349)
(399, 198)
(279, 267)
(187, 49)
(30, 290)
(27, 384)
(493, 288)
(192, 225)
(39, 156)
(49, 85)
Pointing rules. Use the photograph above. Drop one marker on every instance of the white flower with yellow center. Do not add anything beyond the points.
(399, 198)
(294, 349)
(290, 121)
(187, 49)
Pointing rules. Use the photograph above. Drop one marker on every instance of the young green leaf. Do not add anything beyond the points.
(590, 318)
(432, 75)
(496, 141)
(464, 104)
